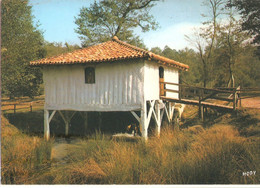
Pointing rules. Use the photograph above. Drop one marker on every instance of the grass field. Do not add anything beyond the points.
(220, 151)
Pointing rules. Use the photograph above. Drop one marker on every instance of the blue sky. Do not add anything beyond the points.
(175, 17)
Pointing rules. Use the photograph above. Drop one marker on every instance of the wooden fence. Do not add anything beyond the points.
(21, 106)
(198, 95)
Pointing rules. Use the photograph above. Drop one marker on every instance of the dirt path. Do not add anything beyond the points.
(251, 102)
(61, 148)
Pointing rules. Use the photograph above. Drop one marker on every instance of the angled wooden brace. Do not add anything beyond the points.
(136, 116)
(161, 115)
(47, 120)
(66, 121)
(167, 113)
(171, 110)
(157, 117)
(151, 111)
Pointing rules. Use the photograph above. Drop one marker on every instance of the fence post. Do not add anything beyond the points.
(238, 97)
(201, 107)
(180, 91)
(30, 106)
(14, 108)
(234, 99)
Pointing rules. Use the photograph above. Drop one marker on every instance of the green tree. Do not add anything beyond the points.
(250, 11)
(156, 50)
(205, 39)
(230, 43)
(191, 58)
(231, 68)
(103, 20)
(56, 48)
(188, 57)
(247, 68)
(170, 53)
(234, 60)
(21, 43)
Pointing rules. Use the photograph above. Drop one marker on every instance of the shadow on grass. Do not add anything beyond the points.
(211, 117)
(32, 123)
(247, 121)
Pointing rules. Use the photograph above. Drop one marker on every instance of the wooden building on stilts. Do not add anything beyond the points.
(109, 77)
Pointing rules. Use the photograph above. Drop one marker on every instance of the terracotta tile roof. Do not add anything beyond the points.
(113, 50)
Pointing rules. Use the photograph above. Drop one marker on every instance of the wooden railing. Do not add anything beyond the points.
(21, 106)
(201, 94)
(245, 92)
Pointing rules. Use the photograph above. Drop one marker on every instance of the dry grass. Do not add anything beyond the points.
(217, 155)
(195, 155)
(84, 172)
(21, 155)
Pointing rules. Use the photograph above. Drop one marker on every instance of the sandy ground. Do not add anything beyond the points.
(251, 102)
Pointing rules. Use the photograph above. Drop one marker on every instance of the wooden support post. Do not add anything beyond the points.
(62, 115)
(234, 100)
(202, 112)
(170, 111)
(99, 120)
(66, 128)
(143, 122)
(171, 106)
(30, 106)
(167, 112)
(201, 108)
(66, 120)
(66, 123)
(85, 122)
(180, 92)
(238, 96)
(161, 118)
(14, 108)
(46, 125)
(158, 118)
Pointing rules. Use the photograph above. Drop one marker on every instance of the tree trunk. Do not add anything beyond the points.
(205, 79)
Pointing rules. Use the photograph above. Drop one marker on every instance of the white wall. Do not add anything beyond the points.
(118, 87)
(171, 75)
(151, 81)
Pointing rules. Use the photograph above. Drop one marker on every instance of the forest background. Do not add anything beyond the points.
(221, 53)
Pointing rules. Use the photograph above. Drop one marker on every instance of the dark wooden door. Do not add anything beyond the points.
(161, 78)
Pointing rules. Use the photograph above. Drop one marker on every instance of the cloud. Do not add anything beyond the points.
(172, 36)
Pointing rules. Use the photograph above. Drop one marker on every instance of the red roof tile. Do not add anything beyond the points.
(108, 51)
